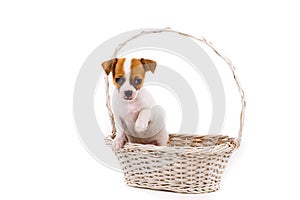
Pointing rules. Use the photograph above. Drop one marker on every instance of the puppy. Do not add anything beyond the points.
(138, 118)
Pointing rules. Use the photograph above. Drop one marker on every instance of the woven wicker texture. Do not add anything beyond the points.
(190, 163)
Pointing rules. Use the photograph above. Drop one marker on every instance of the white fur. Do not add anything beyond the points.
(127, 66)
(126, 85)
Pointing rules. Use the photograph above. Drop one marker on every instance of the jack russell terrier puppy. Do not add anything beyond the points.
(138, 118)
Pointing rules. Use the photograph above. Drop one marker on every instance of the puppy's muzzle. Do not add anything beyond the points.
(128, 94)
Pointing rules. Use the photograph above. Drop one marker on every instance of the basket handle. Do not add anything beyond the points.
(202, 40)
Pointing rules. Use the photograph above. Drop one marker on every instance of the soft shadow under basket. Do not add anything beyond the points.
(190, 163)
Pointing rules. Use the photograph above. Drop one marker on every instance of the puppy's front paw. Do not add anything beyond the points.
(141, 125)
(118, 143)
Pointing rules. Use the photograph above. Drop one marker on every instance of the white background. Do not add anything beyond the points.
(43, 45)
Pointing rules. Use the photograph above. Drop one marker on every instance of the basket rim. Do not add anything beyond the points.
(231, 144)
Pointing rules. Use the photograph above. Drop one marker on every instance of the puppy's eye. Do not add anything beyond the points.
(137, 81)
(119, 80)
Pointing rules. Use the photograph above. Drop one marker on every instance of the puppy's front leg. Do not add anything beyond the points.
(142, 121)
(120, 138)
(119, 141)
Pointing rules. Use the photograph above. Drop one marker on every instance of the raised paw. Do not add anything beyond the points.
(141, 125)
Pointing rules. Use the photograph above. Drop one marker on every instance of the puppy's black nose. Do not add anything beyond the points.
(128, 93)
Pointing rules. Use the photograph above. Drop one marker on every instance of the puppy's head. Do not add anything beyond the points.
(128, 74)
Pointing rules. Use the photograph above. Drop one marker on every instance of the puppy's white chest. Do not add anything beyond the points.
(131, 112)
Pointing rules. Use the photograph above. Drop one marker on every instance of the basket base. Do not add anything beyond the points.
(178, 189)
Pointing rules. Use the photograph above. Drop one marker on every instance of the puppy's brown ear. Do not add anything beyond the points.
(109, 65)
(149, 65)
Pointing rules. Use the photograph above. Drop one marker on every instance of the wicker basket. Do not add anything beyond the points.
(190, 163)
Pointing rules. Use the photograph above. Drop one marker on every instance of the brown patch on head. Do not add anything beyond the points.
(137, 73)
(138, 69)
(116, 66)
(119, 68)
(119, 73)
